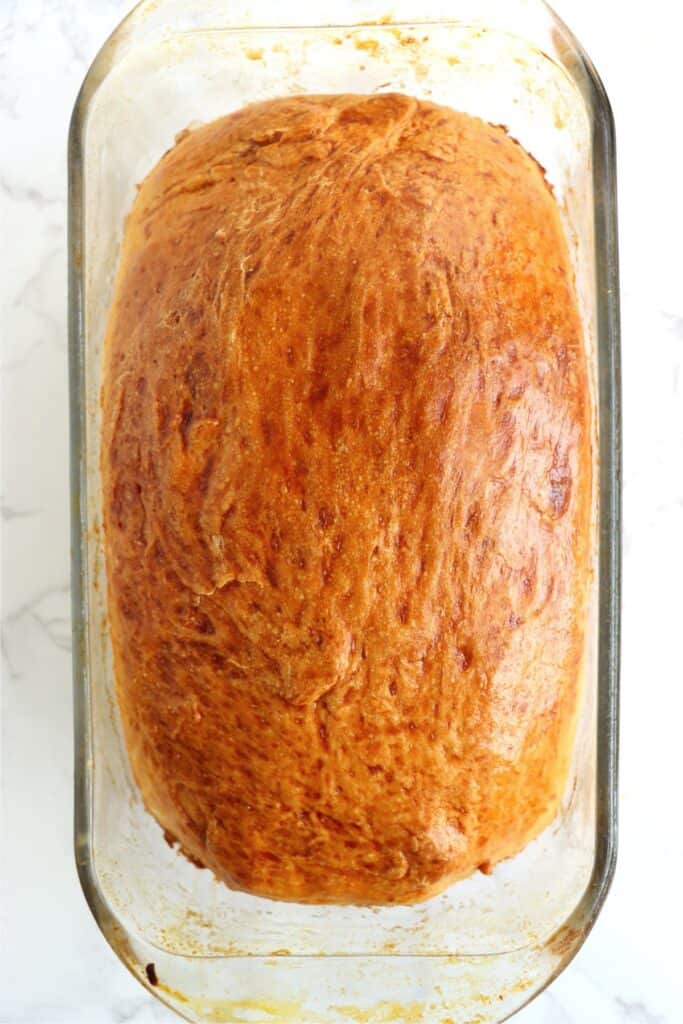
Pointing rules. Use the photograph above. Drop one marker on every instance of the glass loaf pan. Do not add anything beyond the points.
(481, 950)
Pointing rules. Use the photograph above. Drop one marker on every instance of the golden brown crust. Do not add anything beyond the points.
(347, 489)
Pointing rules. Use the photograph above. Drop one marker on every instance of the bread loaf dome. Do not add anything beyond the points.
(347, 481)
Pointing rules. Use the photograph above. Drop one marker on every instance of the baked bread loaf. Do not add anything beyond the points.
(347, 471)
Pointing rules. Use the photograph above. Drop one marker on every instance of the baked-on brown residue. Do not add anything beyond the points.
(347, 488)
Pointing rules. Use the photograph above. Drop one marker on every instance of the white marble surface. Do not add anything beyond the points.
(54, 965)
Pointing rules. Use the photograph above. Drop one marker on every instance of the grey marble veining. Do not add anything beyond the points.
(54, 965)
(638, 1012)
